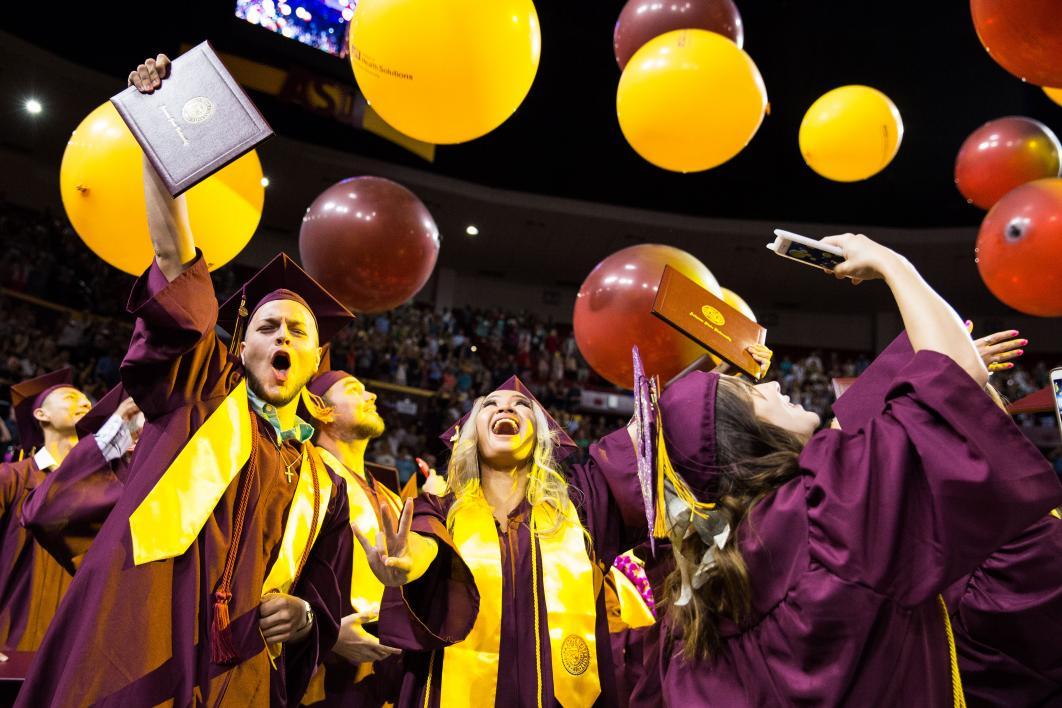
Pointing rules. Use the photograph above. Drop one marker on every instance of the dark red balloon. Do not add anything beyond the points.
(641, 20)
(613, 312)
(1019, 248)
(370, 241)
(1023, 36)
(1003, 154)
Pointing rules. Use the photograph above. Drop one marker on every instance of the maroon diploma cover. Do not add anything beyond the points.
(197, 122)
(708, 321)
(385, 475)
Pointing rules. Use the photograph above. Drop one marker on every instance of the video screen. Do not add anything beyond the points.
(318, 23)
(814, 256)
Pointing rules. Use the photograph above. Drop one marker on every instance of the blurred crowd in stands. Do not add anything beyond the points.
(67, 308)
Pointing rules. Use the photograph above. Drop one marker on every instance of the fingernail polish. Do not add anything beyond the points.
(1014, 333)
(1024, 342)
(1020, 352)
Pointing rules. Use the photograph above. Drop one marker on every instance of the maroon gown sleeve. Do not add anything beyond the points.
(174, 357)
(439, 608)
(927, 489)
(65, 511)
(325, 584)
(607, 493)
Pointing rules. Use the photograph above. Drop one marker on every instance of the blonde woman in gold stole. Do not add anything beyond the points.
(538, 537)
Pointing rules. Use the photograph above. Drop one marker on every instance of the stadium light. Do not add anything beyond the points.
(33, 106)
(471, 230)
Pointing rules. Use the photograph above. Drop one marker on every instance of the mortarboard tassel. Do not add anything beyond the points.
(241, 317)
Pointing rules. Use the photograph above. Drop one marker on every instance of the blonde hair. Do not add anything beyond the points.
(545, 485)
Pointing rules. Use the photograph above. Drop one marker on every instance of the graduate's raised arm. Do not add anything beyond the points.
(931, 323)
(171, 234)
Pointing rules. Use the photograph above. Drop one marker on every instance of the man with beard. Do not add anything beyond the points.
(360, 671)
(221, 575)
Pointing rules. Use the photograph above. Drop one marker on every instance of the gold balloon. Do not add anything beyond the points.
(445, 71)
(738, 303)
(690, 100)
(850, 133)
(1055, 94)
(102, 186)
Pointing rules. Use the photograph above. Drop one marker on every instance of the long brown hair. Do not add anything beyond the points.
(754, 458)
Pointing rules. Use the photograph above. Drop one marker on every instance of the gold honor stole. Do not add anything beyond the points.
(366, 591)
(170, 517)
(470, 667)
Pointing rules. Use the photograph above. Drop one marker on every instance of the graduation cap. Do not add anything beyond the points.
(865, 398)
(28, 396)
(326, 376)
(565, 445)
(92, 421)
(283, 279)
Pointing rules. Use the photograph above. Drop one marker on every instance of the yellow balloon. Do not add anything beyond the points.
(738, 303)
(102, 186)
(1055, 94)
(850, 133)
(445, 71)
(690, 100)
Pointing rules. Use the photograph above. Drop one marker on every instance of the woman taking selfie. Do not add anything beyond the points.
(809, 566)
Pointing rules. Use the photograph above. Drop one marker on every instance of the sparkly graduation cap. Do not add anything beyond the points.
(92, 421)
(28, 396)
(283, 279)
(678, 467)
(565, 445)
(865, 398)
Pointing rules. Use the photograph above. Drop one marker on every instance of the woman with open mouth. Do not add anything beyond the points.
(537, 537)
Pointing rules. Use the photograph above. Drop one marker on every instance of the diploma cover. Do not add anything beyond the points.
(708, 321)
(197, 122)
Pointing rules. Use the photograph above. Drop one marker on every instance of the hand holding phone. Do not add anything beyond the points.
(806, 250)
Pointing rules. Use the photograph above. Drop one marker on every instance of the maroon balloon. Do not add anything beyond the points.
(370, 241)
(1003, 154)
(641, 20)
(1023, 36)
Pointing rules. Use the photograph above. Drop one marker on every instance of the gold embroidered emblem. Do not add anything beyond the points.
(713, 315)
(197, 110)
(575, 655)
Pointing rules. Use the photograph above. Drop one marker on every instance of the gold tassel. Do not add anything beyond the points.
(317, 408)
(666, 471)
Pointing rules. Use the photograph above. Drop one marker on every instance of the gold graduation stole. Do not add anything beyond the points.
(470, 667)
(366, 591)
(170, 517)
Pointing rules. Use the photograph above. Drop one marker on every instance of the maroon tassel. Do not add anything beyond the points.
(221, 649)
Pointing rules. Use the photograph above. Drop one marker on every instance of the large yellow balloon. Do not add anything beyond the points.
(738, 303)
(102, 186)
(690, 100)
(445, 71)
(1055, 94)
(851, 133)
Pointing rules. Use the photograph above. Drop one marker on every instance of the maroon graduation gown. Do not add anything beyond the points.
(606, 493)
(846, 561)
(140, 635)
(1007, 618)
(65, 511)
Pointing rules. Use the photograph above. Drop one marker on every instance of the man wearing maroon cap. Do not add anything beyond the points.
(221, 575)
(360, 670)
(48, 412)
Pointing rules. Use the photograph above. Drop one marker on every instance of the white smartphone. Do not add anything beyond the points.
(806, 250)
(1056, 388)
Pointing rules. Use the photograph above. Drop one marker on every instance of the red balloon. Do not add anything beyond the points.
(1023, 36)
(370, 241)
(613, 313)
(1019, 248)
(641, 20)
(1002, 154)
